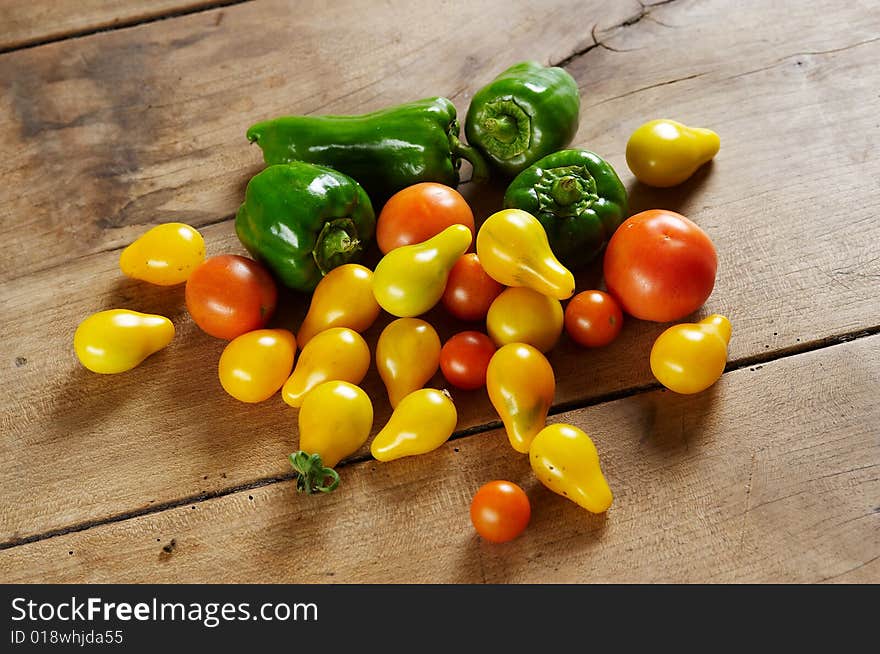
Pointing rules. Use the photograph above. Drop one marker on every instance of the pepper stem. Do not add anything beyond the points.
(311, 473)
(502, 128)
(337, 244)
(566, 190)
(507, 129)
(470, 154)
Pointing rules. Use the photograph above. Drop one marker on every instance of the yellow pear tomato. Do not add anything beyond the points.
(338, 353)
(117, 340)
(334, 421)
(521, 315)
(690, 357)
(164, 255)
(409, 280)
(343, 298)
(422, 422)
(407, 356)
(255, 365)
(513, 248)
(665, 152)
(565, 460)
(521, 386)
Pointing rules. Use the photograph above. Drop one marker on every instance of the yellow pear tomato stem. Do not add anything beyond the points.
(312, 474)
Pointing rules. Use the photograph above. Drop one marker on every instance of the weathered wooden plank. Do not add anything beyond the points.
(131, 127)
(24, 23)
(166, 430)
(714, 487)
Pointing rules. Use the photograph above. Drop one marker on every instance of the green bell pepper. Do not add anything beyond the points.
(525, 113)
(303, 220)
(578, 198)
(385, 151)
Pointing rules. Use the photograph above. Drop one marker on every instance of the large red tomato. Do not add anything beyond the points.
(660, 266)
(419, 212)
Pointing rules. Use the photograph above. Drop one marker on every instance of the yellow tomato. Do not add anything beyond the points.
(665, 153)
(343, 298)
(565, 460)
(521, 386)
(334, 421)
(407, 356)
(690, 357)
(165, 255)
(521, 315)
(513, 248)
(409, 280)
(255, 365)
(117, 340)
(338, 353)
(423, 421)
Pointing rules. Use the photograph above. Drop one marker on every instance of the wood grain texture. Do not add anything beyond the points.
(190, 441)
(797, 260)
(758, 480)
(24, 22)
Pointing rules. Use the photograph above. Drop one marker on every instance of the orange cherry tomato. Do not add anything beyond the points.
(500, 511)
(660, 266)
(469, 290)
(464, 359)
(593, 319)
(419, 212)
(230, 295)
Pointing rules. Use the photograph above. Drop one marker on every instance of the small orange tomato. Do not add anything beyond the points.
(593, 319)
(500, 511)
(419, 212)
(464, 359)
(469, 289)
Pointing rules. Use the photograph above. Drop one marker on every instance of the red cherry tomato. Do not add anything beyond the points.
(229, 295)
(469, 290)
(464, 359)
(660, 266)
(593, 319)
(419, 212)
(500, 511)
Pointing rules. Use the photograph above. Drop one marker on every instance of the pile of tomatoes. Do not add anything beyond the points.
(658, 266)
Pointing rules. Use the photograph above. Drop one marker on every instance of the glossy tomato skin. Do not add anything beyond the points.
(230, 295)
(419, 212)
(500, 511)
(593, 319)
(469, 290)
(660, 266)
(464, 359)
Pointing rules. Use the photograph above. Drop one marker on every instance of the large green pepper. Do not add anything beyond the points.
(385, 151)
(525, 113)
(303, 220)
(579, 199)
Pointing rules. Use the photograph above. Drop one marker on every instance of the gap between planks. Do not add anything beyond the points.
(564, 407)
(122, 24)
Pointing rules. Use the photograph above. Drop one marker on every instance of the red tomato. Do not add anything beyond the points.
(469, 290)
(419, 212)
(593, 319)
(500, 511)
(229, 295)
(464, 359)
(660, 266)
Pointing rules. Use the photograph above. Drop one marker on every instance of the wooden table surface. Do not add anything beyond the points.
(115, 118)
